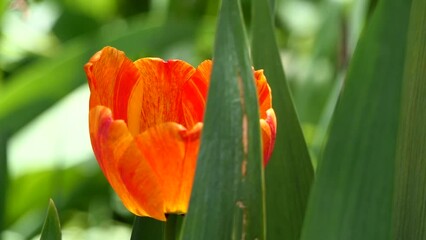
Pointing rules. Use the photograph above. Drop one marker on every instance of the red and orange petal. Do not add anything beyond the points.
(145, 124)
(158, 93)
(119, 159)
(111, 76)
(268, 128)
(263, 93)
(152, 172)
(153, 85)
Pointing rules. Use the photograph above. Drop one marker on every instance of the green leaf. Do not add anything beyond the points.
(51, 227)
(410, 196)
(227, 196)
(352, 194)
(289, 172)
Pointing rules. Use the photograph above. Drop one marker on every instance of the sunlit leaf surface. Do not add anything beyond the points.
(352, 194)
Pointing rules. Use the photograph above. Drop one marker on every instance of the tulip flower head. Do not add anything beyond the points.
(145, 124)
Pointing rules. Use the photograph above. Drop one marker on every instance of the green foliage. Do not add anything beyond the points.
(289, 173)
(409, 207)
(352, 193)
(227, 196)
(365, 128)
(51, 227)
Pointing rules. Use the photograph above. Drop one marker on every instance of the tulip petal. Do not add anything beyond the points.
(145, 124)
(263, 92)
(194, 94)
(129, 174)
(199, 86)
(201, 77)
(111, 78)
(157, 95)
(171, 150)
(268, 128)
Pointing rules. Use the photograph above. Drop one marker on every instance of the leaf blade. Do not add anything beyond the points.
(409, 216)
(352, 194)
(227, 196)
(51, 227)
(289, 172)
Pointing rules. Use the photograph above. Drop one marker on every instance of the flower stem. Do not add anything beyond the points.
(147, 228)
(173, 227)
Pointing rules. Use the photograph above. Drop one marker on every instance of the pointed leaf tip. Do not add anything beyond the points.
(51, 227)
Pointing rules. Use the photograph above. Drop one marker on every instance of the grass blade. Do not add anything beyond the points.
(51, 227)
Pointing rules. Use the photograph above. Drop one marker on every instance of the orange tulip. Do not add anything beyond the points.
(145, 123)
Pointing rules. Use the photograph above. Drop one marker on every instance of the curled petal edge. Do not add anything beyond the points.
(269, 130)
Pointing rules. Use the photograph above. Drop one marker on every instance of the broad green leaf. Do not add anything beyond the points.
(351, 197)
(289, 172)
(410, 195)
(227, 196)
(51, 227)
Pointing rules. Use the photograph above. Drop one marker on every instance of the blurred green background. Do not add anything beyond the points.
(45, 149)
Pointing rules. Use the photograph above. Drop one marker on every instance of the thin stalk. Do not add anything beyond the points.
(173, 227)
(147, 228)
